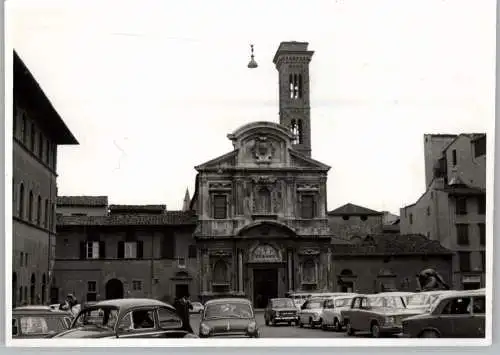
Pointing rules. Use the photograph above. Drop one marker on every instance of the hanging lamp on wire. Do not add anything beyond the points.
(252, 64)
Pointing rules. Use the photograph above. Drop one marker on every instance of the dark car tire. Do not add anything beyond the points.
(429, 334)
(311, 324)
(375, 330)
(289, 324)
(324, 326)
(349, 329)
(337, 325)
(301, 325)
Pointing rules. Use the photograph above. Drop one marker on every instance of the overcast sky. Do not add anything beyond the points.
(151, 88)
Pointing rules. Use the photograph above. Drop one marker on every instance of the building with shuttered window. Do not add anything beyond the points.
(37, 131)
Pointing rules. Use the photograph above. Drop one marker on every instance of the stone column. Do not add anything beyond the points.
(290, 270)
(240, 270)
(206, 272)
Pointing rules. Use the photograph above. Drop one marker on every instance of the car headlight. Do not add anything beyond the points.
(316, 315)
(251, 327)
(204, 329)
(390, 320)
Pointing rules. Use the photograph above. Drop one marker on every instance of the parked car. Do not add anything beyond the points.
(311, 312)
(280, 310)
(404, 295)
(378, 314)
(332, 312)
(197, 307)
(229, 317)
(423, 301)
(299, 298)
(38, 322)
(458, 314)
(127, 318)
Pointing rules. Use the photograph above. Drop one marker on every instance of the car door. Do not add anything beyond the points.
(328, 312)
(455, 317)
(363, 315)
(139, 323)
(304, 312)
(169, 324)
(353, 312)
(478, 323)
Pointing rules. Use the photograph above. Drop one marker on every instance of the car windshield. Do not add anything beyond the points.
(342, 302)
(102, 317)
(228, 310)
(315, 304)
(37, 325)
(283, 303)
(418, 300)
(386, 302)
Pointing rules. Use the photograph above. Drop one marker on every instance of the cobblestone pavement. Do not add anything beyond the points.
(281, 331)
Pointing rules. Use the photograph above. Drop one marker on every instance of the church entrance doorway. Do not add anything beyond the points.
(265, 286)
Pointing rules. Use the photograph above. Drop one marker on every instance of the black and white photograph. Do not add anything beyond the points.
(284, 172)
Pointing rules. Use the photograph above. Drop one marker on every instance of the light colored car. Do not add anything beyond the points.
(197, 307)
(332, 313)
(404, 295)
(311, 311)
(424, 300)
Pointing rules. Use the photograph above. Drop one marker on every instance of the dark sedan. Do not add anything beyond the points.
(280, 310)
(127, 318)
(38, 322)
(228, 317)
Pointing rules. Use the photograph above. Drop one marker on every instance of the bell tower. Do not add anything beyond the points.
(292, 62)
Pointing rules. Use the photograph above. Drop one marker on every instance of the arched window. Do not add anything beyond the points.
(14, 289)
(32, 289)
(294, 128)
(30, 207)
(39, 210)
(220, 272)
(44, 288)
(47, 213)
(33, 134)
(264, 200)
(309, 272)
(21, 201)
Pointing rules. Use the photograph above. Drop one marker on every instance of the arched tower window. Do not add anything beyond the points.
(295, 86)
(220, 272)
(30, 207)
(39, 210)
(21, 201)
(264, 200)
(300, 132)
(294, 128)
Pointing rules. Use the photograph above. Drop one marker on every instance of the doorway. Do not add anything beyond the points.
(181, 290)
(114, 289)
(265, 286)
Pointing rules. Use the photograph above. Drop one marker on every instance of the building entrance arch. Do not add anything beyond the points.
(114, 289)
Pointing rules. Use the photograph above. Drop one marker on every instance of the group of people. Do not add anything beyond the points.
(71, 305)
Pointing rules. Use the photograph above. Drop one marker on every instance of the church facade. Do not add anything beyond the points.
(262, 225)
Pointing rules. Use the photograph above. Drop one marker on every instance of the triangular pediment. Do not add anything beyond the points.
(227, 160)
(301, 161)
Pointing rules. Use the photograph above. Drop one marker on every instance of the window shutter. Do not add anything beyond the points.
(83, 250)
(140, 249)
(102, 250)
(121, 250)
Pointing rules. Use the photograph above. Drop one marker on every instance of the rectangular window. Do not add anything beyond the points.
(480, 147)
(483, 260)
(220, 206)
(411, 218)
(130, 250)
(461, 206)
(308, 207)
(192, 251)
(481, 204)
(462, 234)
(181, 263)
(91, 286)
(454, 157)
(92, 250)
(464, 261)
(137, 285)
(482, 233)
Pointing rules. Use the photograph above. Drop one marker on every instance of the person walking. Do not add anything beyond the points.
(182, 306)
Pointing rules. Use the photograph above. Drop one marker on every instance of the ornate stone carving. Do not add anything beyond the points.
(308, 187)
(262, 149)
(265, 253)
(264, 180)
(220, 252)
(309, 251)
(220, 185)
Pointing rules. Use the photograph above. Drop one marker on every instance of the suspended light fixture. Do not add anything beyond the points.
(252, 64)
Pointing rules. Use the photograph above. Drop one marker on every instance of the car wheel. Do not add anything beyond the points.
(311, 324)
(289, 324)
(429, 334)
(324, 326)
(375, 330)
(349, 329)
(337, 325)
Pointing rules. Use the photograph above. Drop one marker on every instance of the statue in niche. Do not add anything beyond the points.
(263, 200)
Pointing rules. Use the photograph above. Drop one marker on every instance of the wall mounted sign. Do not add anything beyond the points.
(265, 254)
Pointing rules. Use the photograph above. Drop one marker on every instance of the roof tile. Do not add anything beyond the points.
(354, 210)
(167, 218)
(95, 201)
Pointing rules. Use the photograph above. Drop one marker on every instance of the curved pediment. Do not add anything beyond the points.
(258, 128)
(265, 229)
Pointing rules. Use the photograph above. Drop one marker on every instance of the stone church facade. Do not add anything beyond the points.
(262, 224)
